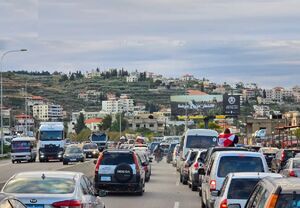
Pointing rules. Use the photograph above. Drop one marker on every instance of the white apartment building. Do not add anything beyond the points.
(249, 93)
(47, 112)
(124, 104)
(132, 78)
(261, 110)
(22, 122)
(93, 73)
(87, 115)
(296, 93)
(277, 94)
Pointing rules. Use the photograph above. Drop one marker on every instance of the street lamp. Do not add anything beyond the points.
(1, 92)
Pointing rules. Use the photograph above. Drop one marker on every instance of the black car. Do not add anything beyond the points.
(279, 161)
(170, 152)
(7, 201)
(90, 150)
(119, 171)
(73, 154)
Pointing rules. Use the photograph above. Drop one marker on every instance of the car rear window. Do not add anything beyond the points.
(230, 164)
(288, 200)
(241, 188)
(40, 186)
(117, 158)
(204, 142)
(290, 154)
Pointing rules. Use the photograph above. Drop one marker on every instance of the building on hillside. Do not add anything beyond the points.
(153, 122)
(249, 94)
(195, 92)
(48, 112)
(113, 105)
(261, 111)
(22, 122)
(93, 123)
(83, 96)
(187, 77)
(293, 118)
(296, 93)
(278, 94)
(220, 90)
(87, 115)
(132, 78)
(92, 74)
(35, 100)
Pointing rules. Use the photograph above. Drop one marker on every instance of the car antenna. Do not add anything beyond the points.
(43, 176)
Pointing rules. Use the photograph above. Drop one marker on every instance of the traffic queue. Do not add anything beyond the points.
(227, 176)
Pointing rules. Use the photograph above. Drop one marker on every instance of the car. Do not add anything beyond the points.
(222, 163)
(119, 171)
(146, 163)
(175, 155)
(199, 139)
(253, 148)
(291, 168)
(237, 187)
(184, 169)
(53, 189)
(8, 201)
(152, 146)
(165, 147)
(73, 153)
(90, 150)
(274, 193)
(193, 179)
(170, 152)
(269, 153)
(281, 157)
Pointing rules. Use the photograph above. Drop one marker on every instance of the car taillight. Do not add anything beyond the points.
(137, 167)
(292, 173)
(67, 204)
(272, 201)
(282, 156)
(212, 185)
(98, 164)
(196, 165)
(223, 204)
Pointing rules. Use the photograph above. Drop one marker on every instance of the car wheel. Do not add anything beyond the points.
(65, 163)
(13, 161)
(194, 188)
(123, 173)
(184, 181)
(147, 179)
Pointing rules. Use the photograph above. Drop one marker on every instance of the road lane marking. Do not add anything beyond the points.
(176, 205)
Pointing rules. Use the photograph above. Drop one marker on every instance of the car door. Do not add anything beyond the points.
(257, 197)
(285, 169)
(95, 200)
(206, 179)
(86, 198)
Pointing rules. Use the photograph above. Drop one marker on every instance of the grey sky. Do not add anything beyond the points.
(223, 40)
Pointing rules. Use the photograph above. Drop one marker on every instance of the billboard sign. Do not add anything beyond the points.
(231, 105)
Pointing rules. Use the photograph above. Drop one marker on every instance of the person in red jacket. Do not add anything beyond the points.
(228, 139)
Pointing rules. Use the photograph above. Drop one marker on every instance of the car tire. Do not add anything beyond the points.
(180, 178)
(13, 162)
(147, 179)
(184, 181)
(65, 163)
(194, 188)
(120, 175)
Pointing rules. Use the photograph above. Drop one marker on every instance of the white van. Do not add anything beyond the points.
(223, 163)
(199, 139)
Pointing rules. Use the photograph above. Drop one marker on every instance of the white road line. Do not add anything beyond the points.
(176, 205)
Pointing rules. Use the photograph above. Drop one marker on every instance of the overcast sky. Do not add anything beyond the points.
(222, 40)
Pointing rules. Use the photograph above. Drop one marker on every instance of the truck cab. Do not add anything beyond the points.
(23, 149)
(100, 139)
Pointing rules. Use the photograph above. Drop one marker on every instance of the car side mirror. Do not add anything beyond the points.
(201, 171)
(234, 206)
(215, 193)
(102, 193)
(95, 162)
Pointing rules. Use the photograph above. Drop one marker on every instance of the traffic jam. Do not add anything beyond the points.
(223, 172)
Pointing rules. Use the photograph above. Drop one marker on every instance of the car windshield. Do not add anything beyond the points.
(290, 153)
(90, 146)
(20, 145)
(288, 201)
(241, 188)
(51, 135)
(296, 163)
(73, 150)
(99, 137)
(40, 186)
(204, 142)
(230, 164)
(117, 158)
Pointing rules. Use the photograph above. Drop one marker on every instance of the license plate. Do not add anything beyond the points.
(105, 178)
(34, 205)
(73, 159)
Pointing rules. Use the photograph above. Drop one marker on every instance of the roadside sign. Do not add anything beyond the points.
(231, 105)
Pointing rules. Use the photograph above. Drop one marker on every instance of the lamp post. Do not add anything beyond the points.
(1, 92)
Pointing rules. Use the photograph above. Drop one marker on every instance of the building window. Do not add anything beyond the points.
(137, 125)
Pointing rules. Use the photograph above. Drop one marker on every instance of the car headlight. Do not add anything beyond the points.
(94, 152)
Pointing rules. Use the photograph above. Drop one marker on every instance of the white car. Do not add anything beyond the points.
(223, 163)
(237, 188)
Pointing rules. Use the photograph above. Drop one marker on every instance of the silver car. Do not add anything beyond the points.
(53, 189)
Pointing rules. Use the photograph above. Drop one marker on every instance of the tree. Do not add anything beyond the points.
(106, 123)
(63, 78)
(72, 77)
(80, 124)
(116, 124)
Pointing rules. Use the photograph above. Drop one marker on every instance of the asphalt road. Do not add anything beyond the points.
(163, 190)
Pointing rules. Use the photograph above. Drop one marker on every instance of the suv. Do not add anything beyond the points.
(120, 171)
(223, 163)
(281, 157)
(275, 193)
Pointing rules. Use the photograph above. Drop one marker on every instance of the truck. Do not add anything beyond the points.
(23, 149)
(100, 139)
(51, 141)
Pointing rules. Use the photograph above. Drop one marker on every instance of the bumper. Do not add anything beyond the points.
(91, 155)
(119, 187)
(195, 179)
(51, 156)
(72, 159)
(21, 157)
